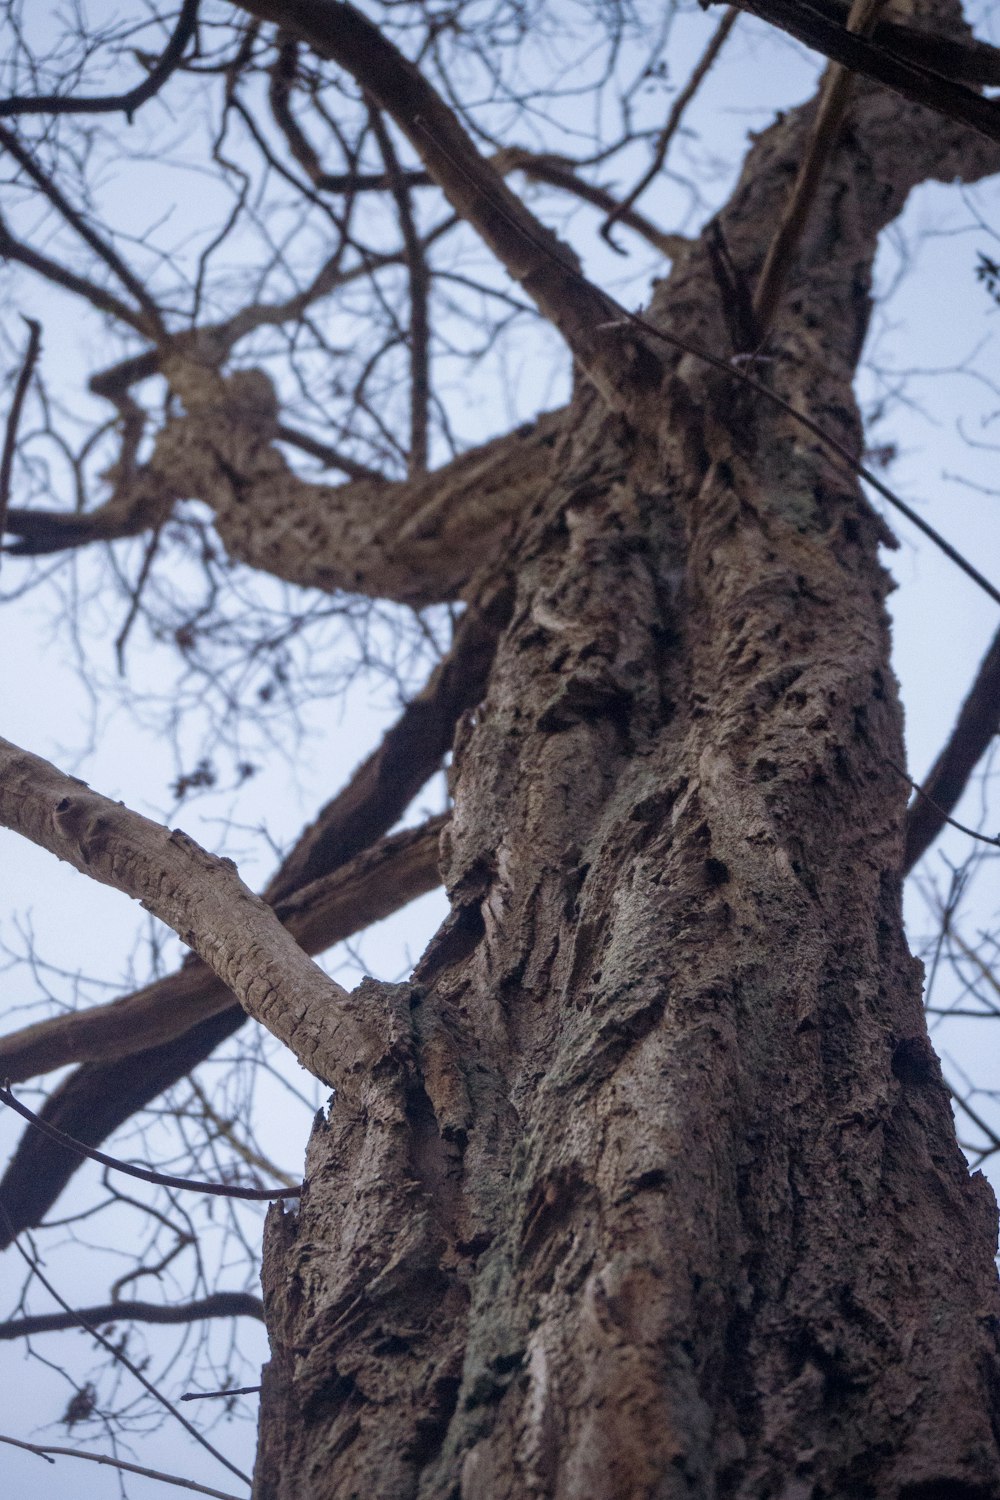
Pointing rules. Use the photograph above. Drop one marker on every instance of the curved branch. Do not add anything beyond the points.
(376, 883)
(99, 1097)
(218, 1305)
(60, 104)
(146, 1174)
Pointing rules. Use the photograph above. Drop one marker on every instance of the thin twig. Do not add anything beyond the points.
(144, 1174)
(47, 1450)
(239, 1390)
(680, 104)
(59, 104)
(118, 1355)
(121, 640)
(31, 354)
(77, 222)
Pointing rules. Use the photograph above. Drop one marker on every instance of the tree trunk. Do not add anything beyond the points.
(656, 1192)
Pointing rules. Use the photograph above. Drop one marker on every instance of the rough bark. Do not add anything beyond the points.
(664, 1199)
(417, 541)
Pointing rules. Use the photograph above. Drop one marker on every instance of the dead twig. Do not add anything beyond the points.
(680, 104)
(145, 1174)
(28, 364)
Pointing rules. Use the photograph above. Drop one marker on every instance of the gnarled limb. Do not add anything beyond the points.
(416, 541)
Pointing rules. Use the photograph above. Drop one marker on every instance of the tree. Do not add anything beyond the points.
(646, 1182)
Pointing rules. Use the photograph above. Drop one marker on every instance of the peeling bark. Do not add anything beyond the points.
(664, 1198)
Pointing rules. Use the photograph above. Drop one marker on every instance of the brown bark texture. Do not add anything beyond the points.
(657, 1193)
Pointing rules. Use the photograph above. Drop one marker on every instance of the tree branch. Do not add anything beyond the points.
(218, 1305)
(921, 81)
(701, 69)
(415, 541)
(105, 301)
(14, 417)
(531, 254)
(202, 898)
(106, 252)
(373, 885)
(99, 1097)
(977, 724)
(146, 1174)
(61, 104)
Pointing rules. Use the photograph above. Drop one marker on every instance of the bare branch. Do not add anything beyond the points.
(561, 173)
(383, 785)
(14, 416)
(715, 45)
(61, 104)
(201, 897)
(101, 248)
(374, 884)
(915, 79)
(119, 1356)
(416, 541)
(99, 1097)
(531, 254)
(51, 1451)
(105, 301)
(218, 1305)
(977, 724)
(145, 1174)
(89, 1105)
(331, 457)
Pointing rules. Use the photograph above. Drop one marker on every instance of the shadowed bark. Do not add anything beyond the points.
(633, 1218)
